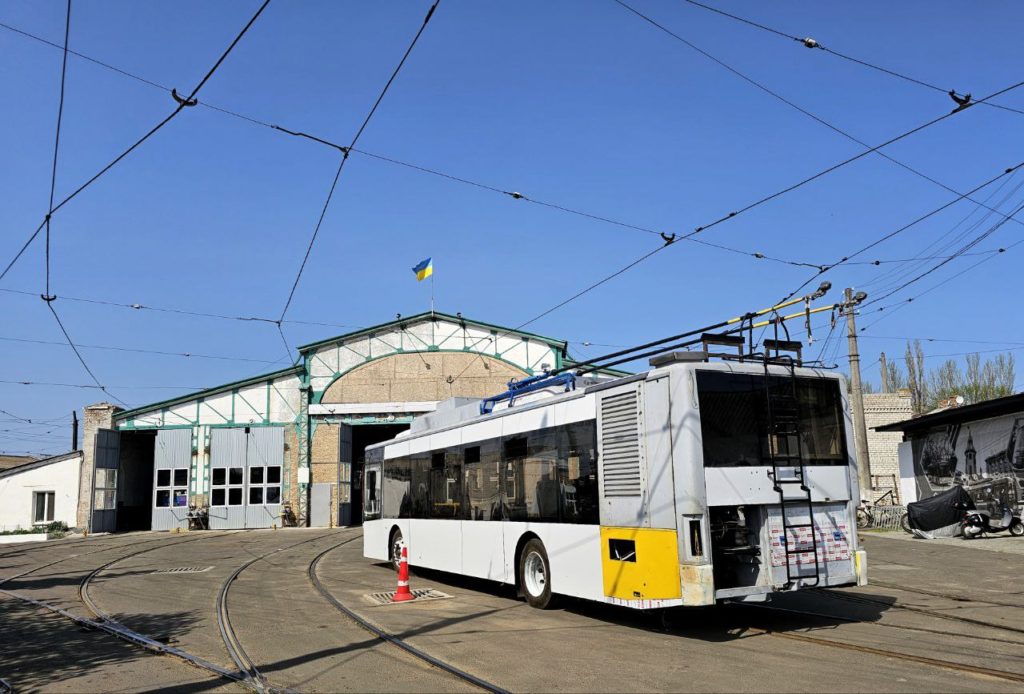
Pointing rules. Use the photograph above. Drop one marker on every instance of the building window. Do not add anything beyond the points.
(172, 488)
(226, 485)
(105, 498)
(42, 503)
(265, 485)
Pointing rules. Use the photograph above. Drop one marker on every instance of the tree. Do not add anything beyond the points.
(917, 381)
(977, 381)
(897, 381)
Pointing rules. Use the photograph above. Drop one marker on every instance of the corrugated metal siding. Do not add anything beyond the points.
(173, 449)
(620, 444)
(233, 447)
(265, 447)
(227, 449)
(174, 452)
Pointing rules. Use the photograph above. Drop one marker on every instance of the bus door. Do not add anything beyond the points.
(371, 491)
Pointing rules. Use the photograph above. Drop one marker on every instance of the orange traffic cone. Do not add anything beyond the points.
(403, 593)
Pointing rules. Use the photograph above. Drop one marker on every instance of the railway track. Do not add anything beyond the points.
(947, 596)
(390, 638)
(1005, 675)
(922, 610)
(69, 557)
(906, 657)
(102, 622)
(250, 673)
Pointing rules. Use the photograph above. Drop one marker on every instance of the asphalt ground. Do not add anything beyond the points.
(936, 617)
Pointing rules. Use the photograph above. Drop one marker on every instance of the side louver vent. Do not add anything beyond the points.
(620, 444)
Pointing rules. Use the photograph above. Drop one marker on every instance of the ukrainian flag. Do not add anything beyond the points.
(424, 270)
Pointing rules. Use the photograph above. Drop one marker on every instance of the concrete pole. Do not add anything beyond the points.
(885, 372)
(860, 431)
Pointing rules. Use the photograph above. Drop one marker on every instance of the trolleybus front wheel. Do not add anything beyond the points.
(535, 575)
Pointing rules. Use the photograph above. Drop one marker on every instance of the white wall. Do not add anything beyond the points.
(16, 493)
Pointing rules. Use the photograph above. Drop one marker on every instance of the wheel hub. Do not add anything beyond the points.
(534, 574)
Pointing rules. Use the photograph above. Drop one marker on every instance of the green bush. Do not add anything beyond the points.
(54, 529)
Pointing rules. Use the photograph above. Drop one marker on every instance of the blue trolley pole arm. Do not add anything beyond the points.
(528, 385)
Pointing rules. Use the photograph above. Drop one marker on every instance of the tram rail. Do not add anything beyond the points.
(391, 638)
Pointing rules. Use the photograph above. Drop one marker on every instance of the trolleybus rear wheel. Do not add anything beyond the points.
(395, 548)
(535, 575)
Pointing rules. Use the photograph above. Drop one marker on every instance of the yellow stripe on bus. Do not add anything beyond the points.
(640, 563)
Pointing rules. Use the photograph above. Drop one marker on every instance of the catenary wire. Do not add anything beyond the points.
(812, 43)
(970, 244)
(136, 350)
(797, 107)
(441, 174)
(577, 295)
(56, 142)
(794, 186)
(186, 312)
(182, 103)
(937, 246)
(423, 169)
(47, 297)
(29, 420)
(345, 154)
(900, 230)
(897, 306)
(78, 354)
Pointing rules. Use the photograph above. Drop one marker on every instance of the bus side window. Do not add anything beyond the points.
(482, 496)
(577, 473)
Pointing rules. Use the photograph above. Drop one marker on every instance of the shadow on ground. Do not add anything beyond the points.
(39, 649)
(722, 622)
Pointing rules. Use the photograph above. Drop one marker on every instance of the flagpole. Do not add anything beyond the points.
(431, 293)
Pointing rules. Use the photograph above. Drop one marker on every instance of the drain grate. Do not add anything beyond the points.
(420, 595)
(184, 570)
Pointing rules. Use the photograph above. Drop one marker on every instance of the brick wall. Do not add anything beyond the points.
(880, 409)
(99, 416)
(423, 376)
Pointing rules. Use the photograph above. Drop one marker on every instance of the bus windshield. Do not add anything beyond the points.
(734, 419)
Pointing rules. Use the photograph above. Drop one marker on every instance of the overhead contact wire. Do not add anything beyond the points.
(182, 104)
(814, 44)
(56, 143)
(345, 154)
(823, 172)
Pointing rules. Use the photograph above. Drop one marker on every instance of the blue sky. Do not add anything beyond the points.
(581, 104)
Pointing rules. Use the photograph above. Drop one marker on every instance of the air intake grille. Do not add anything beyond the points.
(620, 445)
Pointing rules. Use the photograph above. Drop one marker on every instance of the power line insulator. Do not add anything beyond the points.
(811, 43)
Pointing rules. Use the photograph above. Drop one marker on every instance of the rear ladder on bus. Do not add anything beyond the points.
(785, 454)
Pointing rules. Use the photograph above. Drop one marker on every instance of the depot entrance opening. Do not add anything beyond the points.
(363, 435)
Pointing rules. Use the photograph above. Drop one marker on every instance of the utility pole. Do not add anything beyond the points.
(885, 372)
(860, 431)
(74, 430)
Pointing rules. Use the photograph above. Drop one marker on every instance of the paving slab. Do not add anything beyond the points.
(936, 601)
(42, 651)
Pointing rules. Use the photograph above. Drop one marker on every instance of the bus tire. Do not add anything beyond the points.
(395, 542)
(535, 575)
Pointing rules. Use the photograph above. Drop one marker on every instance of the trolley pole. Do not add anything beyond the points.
(860, 431)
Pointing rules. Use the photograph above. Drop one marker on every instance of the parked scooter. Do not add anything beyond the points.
(977, 522)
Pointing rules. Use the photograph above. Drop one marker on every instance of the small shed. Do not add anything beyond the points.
(972, 445)
(40, 492)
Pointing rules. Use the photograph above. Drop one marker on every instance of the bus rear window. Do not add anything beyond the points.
(734, 419)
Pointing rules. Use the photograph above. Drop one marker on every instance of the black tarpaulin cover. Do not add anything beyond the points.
(940, 510)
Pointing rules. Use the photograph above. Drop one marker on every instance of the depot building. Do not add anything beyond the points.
(290, 444)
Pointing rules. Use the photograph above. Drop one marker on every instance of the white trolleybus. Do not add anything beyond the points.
(694, 482)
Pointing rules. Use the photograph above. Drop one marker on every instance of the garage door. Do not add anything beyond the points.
(246, 470)
(171, 462)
